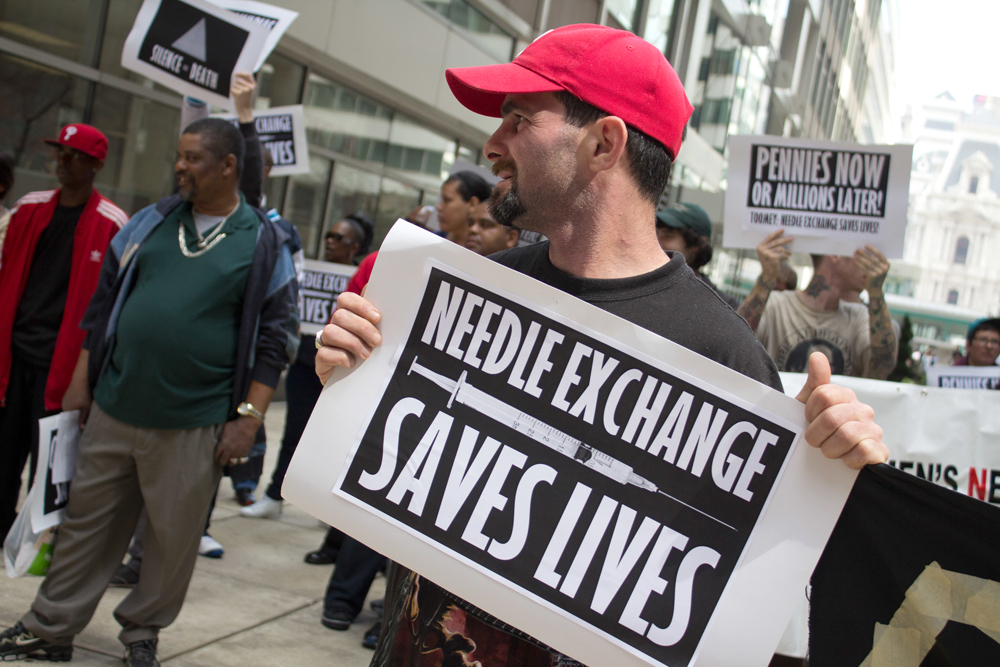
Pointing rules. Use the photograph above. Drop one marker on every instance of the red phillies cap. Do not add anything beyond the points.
(613, 70)
(84, 138)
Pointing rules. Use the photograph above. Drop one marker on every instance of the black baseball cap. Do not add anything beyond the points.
(685, 216)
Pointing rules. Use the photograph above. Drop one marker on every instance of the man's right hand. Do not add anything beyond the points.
(351, 335)
(770, 252)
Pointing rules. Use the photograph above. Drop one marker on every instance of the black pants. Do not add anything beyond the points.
(25, 405)
(302, 390)
(353, 575)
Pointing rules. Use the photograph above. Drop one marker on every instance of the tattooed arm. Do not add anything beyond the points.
(770, 252)
(882, 336)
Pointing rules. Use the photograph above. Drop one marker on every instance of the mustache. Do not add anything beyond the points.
(505, 164)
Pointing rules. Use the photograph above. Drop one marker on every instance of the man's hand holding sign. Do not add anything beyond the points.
(614, 472)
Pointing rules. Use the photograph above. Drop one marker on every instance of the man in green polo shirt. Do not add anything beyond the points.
(190, 327)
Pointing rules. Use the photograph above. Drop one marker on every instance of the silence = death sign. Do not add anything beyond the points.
(275, 19)
(605, 485)
(843, 193)
(193, 47)
(322, 283)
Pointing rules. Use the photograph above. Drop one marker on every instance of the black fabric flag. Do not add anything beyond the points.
(909, 578)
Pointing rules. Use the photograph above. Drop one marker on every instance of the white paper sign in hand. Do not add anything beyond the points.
(193, 47)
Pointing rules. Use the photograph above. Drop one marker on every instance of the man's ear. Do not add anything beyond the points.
(229, 165)
(513, 236)
(605, 142)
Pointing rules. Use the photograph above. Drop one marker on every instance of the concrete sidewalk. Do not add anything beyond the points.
(259, 604)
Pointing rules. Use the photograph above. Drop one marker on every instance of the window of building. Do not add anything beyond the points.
(279, 82)
(961, 250)
(716, 111)
(623, 11)
(973, 185)
(488, 34)
(657, 29)
(67, 29)
(953, 297)
(305, 202)
(35, 102)
(142, 141)
(724, 61)
(353, 190)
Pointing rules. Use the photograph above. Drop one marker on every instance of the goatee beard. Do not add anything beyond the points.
(507, 207)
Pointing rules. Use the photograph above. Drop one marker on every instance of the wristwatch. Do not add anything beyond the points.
(247, 410)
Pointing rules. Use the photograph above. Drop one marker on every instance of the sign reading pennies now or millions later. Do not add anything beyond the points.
(831, 197)
(193, 47)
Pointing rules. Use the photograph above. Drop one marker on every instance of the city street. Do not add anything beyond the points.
(258, 605)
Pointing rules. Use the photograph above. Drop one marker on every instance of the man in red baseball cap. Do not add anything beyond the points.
(592, 119)
(49, 269)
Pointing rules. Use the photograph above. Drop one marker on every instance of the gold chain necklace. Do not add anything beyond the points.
(205, 243)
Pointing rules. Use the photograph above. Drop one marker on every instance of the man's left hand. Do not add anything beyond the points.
(236, 441)
(875, 266)
(840, 425)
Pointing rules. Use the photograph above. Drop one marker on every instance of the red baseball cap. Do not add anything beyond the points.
(84, 138)
(613, 70)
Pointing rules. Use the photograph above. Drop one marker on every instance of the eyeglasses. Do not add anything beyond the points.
(987, 342)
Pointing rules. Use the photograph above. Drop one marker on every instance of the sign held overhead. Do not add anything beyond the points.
(193, 47)
(831, 197)
(282, 132)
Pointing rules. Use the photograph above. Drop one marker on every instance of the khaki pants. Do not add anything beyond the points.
(119, 469)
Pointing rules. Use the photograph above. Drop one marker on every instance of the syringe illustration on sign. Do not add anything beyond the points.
(539, 431)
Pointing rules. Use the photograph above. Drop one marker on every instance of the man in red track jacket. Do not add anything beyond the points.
(49, 269)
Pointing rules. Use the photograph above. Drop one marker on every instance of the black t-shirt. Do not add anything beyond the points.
(670, 301)
(40, 311)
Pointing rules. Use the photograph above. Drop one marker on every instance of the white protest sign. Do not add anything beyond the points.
(275, 19)
(947, 436)
(322, 283)
(831, 197)
(58, 437)
(282, 132)
(193, 47)
(963, 377)
(455, 451)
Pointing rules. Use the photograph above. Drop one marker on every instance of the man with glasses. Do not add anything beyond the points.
(982, 344)
(50, 266)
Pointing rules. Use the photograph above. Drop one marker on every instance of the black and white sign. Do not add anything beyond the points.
(832, 197)
(610, 487)
(322, 283)
(275, 19)
(193, 47)
(282, 132)
(58, 437)
(964, 377)
(609, 492)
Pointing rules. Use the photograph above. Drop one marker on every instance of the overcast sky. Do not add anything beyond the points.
(948, 45)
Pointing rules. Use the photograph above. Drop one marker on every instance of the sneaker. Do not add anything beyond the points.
(210, 547)
(265, 508)
(124, 577)
(17, 643)
(245, 497)
(336, 620)
(141, 654)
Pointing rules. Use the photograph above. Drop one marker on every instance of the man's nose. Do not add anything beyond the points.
(495, 148)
